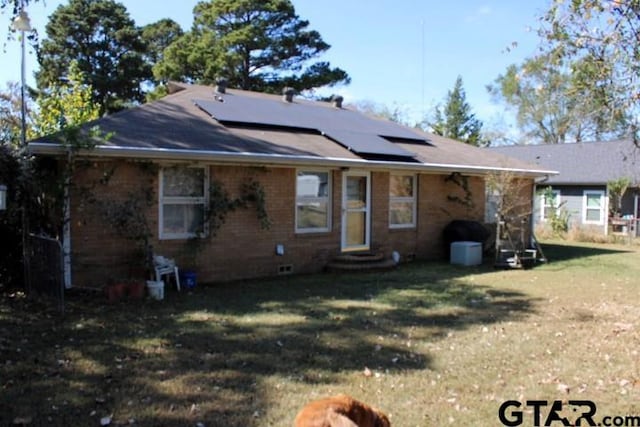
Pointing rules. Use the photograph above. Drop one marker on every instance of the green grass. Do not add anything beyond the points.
(429, 343)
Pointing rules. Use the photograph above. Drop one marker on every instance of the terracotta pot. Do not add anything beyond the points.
(116, 291)
(136, 289)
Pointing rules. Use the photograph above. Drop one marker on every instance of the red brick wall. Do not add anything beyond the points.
(241, 248)
(434, 212)
(99, 252)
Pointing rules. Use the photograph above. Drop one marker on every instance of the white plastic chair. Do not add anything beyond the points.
(166, 267)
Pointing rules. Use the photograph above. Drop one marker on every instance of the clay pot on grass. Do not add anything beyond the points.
(116, 291)
(136, 289)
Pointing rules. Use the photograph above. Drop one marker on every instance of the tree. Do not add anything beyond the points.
(11, 271)
(617, 188)
(257, 45)
(549, 108)
(511, 195)
(157, 37)
(601, 41)
(63, 109)
(395, 114)
(68, 104)
(455, 120)
(15, 5)
(103, 39)
(10, 115)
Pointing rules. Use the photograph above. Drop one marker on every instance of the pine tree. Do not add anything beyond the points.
(257, 45)
(107, 46)
(455, 120)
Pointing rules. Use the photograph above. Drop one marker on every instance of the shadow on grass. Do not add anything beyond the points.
(212, 355)
(555, 252)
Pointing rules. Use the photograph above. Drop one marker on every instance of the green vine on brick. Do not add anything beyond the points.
(461, 181)
(253, 193)
(221, 204)
(127, 215)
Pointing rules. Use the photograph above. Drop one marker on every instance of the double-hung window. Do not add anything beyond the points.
(549, 203)
(313, 203)
(183, 199)
(402, 201)
(593, 207)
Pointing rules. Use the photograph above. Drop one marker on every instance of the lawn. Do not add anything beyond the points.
(429, 343)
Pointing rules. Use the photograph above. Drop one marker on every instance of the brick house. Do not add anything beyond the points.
(328, 180)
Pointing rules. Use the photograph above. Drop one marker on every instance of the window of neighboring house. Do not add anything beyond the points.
(492, 205)
(593, 207)
(184, 194)
(549, 205)
(402, 201)
(313, 205)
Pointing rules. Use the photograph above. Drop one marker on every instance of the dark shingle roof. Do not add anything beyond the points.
(581, 163)
(176, 127)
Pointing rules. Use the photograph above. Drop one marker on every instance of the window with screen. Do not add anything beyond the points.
(593, 207)
(183, 200)
(402, 201)
(313, 205)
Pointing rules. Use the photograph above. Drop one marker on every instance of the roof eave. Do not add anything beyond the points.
(40, 148)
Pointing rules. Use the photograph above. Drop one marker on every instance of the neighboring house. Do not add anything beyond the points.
(580, 187)
(328, 179)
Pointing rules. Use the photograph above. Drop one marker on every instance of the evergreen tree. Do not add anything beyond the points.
(455, 120)
(158, 36)
(108, 48)
(255, 44)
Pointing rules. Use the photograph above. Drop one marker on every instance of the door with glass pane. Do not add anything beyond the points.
(356, 211)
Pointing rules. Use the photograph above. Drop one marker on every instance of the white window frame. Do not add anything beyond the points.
(183, 200)
(412, 199)
(308, 199)
(601, 195)
(543, 203)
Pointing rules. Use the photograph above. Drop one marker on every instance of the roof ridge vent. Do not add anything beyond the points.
(221, 85)
(337, 100)
(287, 94)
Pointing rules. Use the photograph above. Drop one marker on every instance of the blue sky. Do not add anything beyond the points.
(399, 53)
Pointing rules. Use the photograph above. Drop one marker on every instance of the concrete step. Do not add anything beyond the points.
(360, 261)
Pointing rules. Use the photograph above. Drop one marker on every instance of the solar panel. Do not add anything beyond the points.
(351, 129)
(363, 143)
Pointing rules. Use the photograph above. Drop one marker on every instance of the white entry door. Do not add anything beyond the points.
(356, 211)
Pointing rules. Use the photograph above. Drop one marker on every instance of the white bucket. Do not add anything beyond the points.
(156, 289)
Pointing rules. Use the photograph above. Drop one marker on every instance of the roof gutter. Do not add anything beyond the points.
(273, 159)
